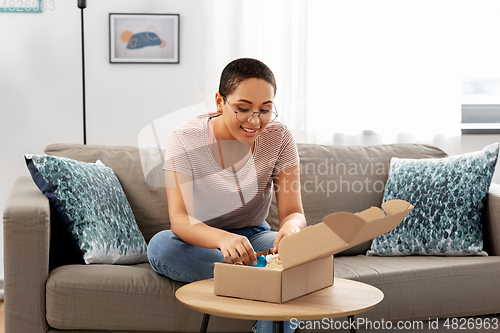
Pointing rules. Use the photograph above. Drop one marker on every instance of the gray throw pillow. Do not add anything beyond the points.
(448, 195)
(90, 201)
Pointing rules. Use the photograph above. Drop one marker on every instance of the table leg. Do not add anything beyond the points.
(352, 328)
(278, 326)
(204, 323)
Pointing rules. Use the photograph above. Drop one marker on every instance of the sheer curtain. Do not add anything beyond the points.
(350, 72)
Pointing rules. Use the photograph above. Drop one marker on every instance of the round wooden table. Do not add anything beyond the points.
(344, 298)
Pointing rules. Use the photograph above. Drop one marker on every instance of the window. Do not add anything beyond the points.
(481, 106)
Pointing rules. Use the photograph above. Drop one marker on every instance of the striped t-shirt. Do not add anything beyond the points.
(223, 198)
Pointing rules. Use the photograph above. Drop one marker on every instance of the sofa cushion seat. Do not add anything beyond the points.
(122, 297)
(109, 294)
(423, 287)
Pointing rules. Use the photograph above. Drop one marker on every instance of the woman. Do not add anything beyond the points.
(219, 172)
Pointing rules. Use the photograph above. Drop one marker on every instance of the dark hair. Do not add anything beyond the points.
(241, 69)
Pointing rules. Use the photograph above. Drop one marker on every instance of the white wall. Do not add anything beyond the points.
(40, 80)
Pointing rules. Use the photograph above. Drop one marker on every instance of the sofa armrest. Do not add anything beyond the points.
(491, 226)
(26, 223)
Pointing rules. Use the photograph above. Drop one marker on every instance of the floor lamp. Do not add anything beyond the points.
(82, 4)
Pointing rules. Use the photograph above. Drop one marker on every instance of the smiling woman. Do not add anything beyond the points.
(252, 96)
(220, 172)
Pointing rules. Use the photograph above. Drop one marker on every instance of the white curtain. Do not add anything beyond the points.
(350, 72)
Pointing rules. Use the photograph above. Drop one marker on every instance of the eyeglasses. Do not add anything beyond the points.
(267, 114)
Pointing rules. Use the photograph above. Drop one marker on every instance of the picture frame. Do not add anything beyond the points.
(144, 38)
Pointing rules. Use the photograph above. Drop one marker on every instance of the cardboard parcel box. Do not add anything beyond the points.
(307, 256)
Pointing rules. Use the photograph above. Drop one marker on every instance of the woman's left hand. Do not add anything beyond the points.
(288, 228)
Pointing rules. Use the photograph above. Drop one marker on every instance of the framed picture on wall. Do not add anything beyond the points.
(144, 38)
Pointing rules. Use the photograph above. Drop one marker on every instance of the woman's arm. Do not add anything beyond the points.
(289, 200)
(191, 230)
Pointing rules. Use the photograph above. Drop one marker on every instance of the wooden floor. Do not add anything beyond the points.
(2, 328)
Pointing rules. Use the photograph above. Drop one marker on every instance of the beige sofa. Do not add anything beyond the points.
(134, 298)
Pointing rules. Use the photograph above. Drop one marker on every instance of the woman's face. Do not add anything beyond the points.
(254, 94)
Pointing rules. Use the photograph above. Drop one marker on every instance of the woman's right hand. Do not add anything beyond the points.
(237, 248)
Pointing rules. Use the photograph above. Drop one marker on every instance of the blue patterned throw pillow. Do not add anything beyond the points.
(91, 205)
(449, 195)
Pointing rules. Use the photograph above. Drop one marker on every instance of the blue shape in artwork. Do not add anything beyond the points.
(143, 39)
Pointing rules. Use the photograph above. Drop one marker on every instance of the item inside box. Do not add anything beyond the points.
(266, 259)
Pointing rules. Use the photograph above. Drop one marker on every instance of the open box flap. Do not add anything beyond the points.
(340, 231)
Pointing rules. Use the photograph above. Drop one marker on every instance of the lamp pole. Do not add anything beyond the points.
(82, 4)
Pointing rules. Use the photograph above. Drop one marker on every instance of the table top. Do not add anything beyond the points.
(344, 298)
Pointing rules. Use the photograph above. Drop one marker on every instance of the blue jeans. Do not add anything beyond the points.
(170, 256)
